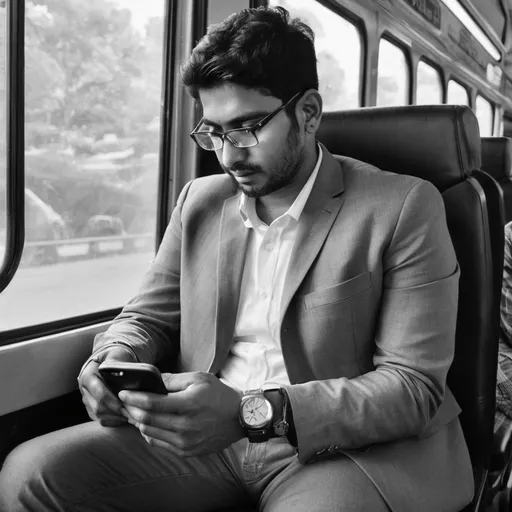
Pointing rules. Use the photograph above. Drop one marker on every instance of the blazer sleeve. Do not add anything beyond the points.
(150, 321)
(506, 289)
(414, 343)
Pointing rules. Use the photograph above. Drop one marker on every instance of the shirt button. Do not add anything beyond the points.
(263, 295)
(269, 247)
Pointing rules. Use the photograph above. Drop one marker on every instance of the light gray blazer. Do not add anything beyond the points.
(368, 321)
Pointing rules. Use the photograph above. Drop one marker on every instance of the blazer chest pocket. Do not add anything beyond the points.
(338, 292)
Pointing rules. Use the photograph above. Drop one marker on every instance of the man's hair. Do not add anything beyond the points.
(258, 48)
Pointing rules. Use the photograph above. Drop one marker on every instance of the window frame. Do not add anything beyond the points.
(429, 62)
(165, 179)
(15, 141)
(406, 50)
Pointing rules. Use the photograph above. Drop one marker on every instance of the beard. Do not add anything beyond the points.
(282, 173)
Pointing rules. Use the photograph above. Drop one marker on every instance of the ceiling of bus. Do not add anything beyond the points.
(493, 11)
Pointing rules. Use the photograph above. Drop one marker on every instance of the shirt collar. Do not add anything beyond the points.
(247, 205)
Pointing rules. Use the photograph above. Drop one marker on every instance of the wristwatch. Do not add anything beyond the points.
(258, 417)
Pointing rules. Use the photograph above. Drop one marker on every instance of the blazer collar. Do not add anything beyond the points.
(320, 212)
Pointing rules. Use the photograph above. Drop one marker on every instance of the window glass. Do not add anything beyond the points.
(3, 104)
(219, 10)
(457, 94)
(392, 76)
(92, 106)
(429, 88)
(339, 71)
(485, 115)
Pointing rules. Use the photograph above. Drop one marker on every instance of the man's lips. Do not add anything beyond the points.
(242, 173)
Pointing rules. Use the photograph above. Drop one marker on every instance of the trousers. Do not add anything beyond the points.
(90, 468)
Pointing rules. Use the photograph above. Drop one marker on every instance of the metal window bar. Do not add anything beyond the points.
(15, 141)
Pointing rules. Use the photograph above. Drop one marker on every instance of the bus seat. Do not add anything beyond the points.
(497, 161)
(497, 164)
(441, 144)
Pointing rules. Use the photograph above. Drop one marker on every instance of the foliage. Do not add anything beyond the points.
(92, 88)
(81, 57)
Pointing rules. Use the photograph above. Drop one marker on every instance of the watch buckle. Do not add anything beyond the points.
(281, 427)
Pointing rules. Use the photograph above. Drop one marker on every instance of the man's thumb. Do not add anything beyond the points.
(177, 381)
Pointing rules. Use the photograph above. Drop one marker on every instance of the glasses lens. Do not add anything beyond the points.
(242, 139)
(208, 141)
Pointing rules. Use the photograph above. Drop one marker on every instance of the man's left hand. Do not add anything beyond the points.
(198, 416)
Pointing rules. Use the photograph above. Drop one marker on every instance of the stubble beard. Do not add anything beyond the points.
(284, 172)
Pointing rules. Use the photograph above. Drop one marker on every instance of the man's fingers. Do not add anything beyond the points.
(99, 409)
(175, 382)
(168, 421)
(166, 439)
(164, 404)
(180, 399)
(96, 389)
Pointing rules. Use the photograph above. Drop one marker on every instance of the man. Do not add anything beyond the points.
(504, 375)
(323, 281)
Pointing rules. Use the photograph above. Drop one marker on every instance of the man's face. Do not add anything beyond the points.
(275, 161)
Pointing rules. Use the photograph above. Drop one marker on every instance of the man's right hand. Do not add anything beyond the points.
(101, 404)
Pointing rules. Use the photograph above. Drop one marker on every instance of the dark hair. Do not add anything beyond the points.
(259, 48)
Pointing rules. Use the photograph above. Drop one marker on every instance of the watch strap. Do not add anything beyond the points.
(280, 424)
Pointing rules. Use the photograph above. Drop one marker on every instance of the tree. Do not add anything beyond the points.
(80, 66)
(92, 86)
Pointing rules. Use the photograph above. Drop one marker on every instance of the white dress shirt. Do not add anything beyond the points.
(255, 360)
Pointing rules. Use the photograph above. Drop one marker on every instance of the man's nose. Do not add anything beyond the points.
(230, 154)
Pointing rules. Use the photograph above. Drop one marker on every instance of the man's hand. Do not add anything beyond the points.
(198, 416)
(101, 404)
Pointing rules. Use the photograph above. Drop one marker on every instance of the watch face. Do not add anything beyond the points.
(256, 412)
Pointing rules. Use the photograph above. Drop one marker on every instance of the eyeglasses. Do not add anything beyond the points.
(212, 140)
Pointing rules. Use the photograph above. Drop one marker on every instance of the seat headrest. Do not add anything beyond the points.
(438, 143)
(497, 157)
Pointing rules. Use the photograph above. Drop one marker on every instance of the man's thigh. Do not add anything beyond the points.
(336, 485)
(89, 468)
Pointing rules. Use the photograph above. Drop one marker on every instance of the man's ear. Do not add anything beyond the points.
(311, 107)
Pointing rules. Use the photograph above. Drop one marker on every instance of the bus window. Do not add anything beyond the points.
(3, 104)
(429, 88)
(457, 94)
(507, 124)
(219, 10)
(92, 106)
(339, 72)
(485, 115)
(392, 75)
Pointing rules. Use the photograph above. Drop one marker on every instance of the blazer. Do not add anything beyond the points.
(367, 322)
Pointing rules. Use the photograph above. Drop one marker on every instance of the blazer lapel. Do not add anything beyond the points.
(230, 265)
(316, 220)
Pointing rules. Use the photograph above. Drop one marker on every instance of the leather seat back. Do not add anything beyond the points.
(441, 144)
(497, 162)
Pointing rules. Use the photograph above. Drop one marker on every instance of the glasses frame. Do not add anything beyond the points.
(252, 129)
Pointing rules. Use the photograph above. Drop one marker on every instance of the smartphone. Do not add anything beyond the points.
(131, 376)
